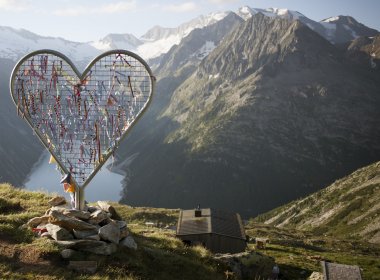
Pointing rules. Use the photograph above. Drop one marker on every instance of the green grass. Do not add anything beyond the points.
(352, 201)
(299, 253)
(160, 254)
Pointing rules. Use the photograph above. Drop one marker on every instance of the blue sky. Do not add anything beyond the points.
(89, 20)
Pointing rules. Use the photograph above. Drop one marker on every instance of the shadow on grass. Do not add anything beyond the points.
(289, 272)
(158, 260)
(12, 234)
(49, 265)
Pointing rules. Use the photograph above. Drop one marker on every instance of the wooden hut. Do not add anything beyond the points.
(218, 231)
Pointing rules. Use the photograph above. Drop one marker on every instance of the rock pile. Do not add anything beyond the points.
(98, 230)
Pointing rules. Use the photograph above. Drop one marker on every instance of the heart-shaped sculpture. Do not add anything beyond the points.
(81, 118)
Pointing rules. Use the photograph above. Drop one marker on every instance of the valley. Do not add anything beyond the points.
(240, 120)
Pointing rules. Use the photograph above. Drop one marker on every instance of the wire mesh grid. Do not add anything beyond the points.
(83, 119)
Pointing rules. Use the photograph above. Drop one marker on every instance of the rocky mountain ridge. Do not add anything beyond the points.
(261, 120)
(348, 208)
(158, 40)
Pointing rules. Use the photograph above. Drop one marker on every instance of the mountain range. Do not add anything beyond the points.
(15, 43)
(252, 109)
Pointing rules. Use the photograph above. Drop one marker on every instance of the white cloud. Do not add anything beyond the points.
(180, 8)
(118, 7)
(222, 1)
(14, 5)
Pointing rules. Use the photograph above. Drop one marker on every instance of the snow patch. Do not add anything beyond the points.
(101, 45)
(16, 43)
(271, 12)
(330, 19)
(156, 48)
(214, 76)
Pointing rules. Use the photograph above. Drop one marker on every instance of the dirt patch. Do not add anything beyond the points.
(27, 258)
(7, 250)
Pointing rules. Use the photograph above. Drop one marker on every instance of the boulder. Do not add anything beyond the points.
(110, 232)
(34, 222)
(83, 234)
(98, 216)
(83, 266)
(245, 265)
(110, 209)
(68, 253)
(46, 235)
(92, 209)
(121, 224)
(58, 233)
(69, 223)
(316, 276)
(129, 242)
(93, 237)
(124, 232)
(79, 214)
(92, 246)
(57, 200)
(79, 243)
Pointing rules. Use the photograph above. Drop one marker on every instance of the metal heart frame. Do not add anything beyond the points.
(81, 117)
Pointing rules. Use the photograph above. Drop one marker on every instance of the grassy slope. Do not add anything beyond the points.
(160, 254)
(299, 253)
(349, 208)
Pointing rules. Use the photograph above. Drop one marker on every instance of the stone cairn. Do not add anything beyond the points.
(97, 229)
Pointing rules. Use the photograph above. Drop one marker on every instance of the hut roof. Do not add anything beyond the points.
(332, 271)
(210, 221)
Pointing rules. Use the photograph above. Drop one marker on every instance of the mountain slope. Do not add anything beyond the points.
(196, 46)
(19, 148)
(263, 120)
(349, 208)
(365, 51)
(343, 29)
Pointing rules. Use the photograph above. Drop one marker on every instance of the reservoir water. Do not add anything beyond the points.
(106, 185)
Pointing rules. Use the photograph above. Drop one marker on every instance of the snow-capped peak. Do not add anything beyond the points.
(159, 40)
(158, 32)
(247, 12)
(117, 41)
(331, 19)
(15, 43)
